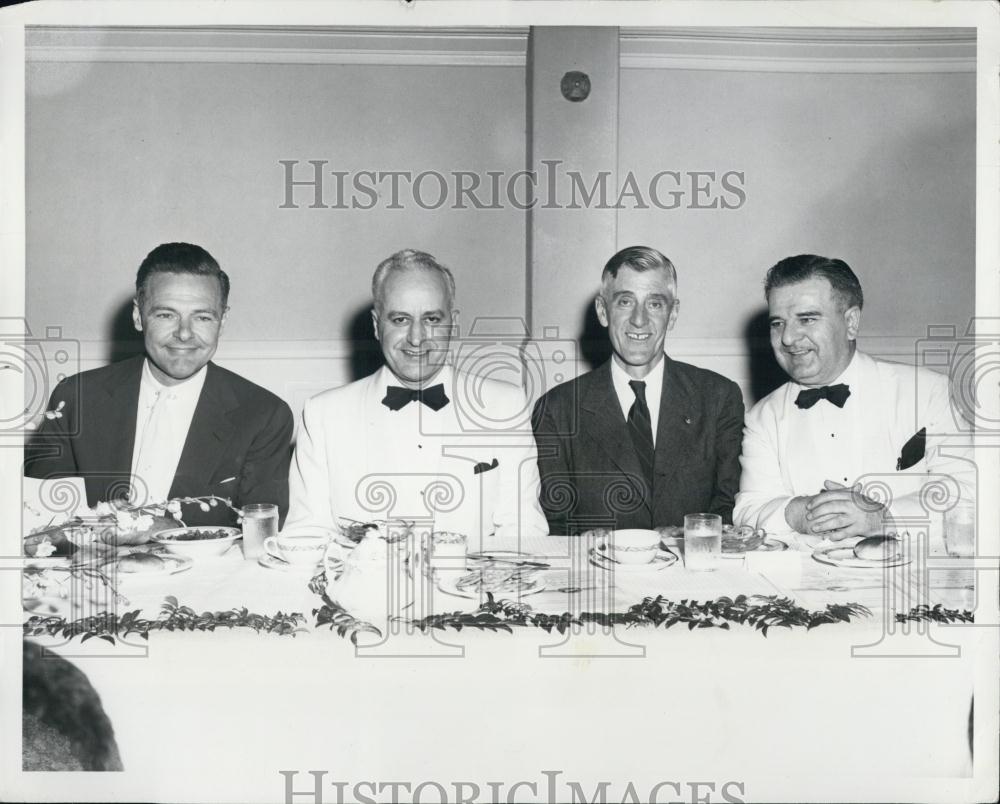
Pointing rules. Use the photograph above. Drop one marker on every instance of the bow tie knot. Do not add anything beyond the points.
(397, 397)
(835, 394)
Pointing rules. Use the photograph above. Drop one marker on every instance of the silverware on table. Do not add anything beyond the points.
(513, 561)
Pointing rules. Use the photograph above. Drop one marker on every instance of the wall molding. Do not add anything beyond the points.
(795, 50)
(801, 50)
(450, 47)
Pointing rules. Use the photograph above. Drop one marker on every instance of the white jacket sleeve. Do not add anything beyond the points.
(763, 492)
(309, 477)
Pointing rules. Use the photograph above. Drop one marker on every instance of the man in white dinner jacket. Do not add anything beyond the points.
(845, 418)
(419, 439)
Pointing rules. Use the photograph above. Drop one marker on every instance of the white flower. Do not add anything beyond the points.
(103, 509)
(144, 522)
(57, 413)
(44, 548)
(174, 506)
(124, 521)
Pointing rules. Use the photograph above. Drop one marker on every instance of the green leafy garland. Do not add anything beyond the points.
(173, 617)
(758, 611)
(937, 614)
(340, 619)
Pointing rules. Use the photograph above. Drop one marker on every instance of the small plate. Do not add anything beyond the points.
(447, 582)
(173, 564)
(839, 555)
(661, 560)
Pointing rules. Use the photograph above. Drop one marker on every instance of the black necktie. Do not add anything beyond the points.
(641, 429)
(397, 397)
(836, 394)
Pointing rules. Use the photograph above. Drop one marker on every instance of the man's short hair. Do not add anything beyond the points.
(180, 258)
(640, 258)
(406, 260)
(838, 273)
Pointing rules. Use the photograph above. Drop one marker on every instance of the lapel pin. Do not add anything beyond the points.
(687, 420)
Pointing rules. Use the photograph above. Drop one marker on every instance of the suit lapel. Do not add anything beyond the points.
(120, 406)
(676, 426)
(605, 426)
(211, 429)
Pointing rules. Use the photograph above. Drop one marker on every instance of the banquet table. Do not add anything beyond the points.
(850, 709)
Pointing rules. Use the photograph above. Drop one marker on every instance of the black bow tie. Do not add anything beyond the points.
(837, 394)
(397, 397)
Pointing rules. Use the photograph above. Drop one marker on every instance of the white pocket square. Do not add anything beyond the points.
(227, 480)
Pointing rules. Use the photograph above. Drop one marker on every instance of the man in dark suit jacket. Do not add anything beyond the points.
(224, 436)
(642, 440)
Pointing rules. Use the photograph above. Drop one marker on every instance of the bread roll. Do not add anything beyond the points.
(878, 548)
(140, 562)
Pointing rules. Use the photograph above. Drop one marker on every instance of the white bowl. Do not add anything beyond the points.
(177, 540)
(633, 545)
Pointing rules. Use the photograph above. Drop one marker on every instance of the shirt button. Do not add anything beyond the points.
(420, 446)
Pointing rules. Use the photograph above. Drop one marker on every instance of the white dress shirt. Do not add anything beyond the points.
(654, 390)
(790, 451)
(162, 422)
(356, 458)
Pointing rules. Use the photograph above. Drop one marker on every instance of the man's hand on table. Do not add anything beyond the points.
(837, 513)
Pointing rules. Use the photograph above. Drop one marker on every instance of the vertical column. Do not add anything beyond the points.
(573, 151)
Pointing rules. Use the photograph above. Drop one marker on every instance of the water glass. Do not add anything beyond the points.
(444, 550)
(260, 521)
(960, 530)
(702, 541)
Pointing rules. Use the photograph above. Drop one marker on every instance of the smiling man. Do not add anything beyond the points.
(642, 440)
(418, 439)
(844, 420)
(170, 423)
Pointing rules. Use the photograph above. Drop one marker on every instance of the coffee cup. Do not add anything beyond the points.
(297, 548)
(633, 545)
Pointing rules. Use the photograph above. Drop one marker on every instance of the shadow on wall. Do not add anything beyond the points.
(123, 339)
(765, 373)
(366, 353)
(595, 347)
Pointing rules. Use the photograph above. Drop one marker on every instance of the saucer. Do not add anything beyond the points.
(268, 561)
(662, 560)
(838, 555)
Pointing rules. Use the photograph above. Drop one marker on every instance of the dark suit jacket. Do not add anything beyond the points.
(590, 472)
(238, 445)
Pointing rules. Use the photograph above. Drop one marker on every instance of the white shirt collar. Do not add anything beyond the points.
(445, 377)
(654, 390)
(851, 372)
(187, 389)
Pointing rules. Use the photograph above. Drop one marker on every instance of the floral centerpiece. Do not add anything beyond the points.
(64, 559)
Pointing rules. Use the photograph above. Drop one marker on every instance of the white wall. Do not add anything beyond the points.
(878, 170)
(125, 155)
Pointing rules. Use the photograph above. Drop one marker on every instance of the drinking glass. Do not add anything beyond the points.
(260, 520)
(702, 541)
(960, 530)
(444, 550)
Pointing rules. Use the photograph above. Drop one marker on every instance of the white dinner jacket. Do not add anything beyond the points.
(788, 451)
(358, 459)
